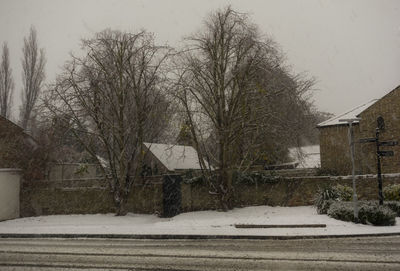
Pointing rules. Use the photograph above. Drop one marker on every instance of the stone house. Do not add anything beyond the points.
(334, 139)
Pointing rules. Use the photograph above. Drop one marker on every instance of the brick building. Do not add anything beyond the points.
(334, 141)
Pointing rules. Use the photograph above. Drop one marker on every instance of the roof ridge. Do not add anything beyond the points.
(336, 117)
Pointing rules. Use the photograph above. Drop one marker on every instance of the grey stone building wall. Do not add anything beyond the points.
(387, 107)
(334, 142)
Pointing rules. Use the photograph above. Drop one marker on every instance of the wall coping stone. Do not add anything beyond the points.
(10, 170)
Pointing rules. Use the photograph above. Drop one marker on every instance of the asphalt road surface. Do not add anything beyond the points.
(381, 253)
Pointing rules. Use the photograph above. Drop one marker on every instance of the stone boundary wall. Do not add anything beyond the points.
(295, 191)
(92, 195)
(87, 196)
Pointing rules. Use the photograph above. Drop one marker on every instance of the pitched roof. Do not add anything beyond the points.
(28, 137)
(5, 120)
(175, 157)
(351, 114)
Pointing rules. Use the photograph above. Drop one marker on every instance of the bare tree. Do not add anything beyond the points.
(33, 63)
(223, 91)
(6, 83)
(113, 101)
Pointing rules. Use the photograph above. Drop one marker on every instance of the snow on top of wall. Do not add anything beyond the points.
(307, 156)
(175, 157)
(351, 114)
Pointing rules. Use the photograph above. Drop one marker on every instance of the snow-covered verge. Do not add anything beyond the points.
(199, 223)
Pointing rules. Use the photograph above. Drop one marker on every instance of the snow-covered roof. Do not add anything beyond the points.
(307, 156)
(351, 114)
(175, 157)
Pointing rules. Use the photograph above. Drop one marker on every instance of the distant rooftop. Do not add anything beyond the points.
(4, 119)
(306, 156)
(175, 157)
(351, 114)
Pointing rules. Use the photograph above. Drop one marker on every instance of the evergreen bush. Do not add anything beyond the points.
(378, 215)
(341, 211)
(345, 192)
(329, 194)
(370, 212)
(392, 192)
(394, 206)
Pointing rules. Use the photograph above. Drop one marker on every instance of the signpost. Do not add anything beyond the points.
(351, 144)
(388, 143)
(381, 126)
(367, 140)
(385, 153)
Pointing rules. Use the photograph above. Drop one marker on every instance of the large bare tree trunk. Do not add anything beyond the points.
(225, 179)
(120, 199)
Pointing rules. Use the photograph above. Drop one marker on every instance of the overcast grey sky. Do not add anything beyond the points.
(351, 47)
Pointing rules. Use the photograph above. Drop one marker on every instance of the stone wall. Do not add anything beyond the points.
(92, 195)
(389, 108)
(298, 191)
(335, 150)
(87, 196)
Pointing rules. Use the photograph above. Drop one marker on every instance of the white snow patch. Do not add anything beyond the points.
(306, 156)
(202, 223)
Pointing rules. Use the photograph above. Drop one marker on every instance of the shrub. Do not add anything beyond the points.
(392, 192)
(394, 206)
(369, 213)
(324, 207)
(378, 215)
(325, 196)
(345, 192)
(327, 193)
(341, 210)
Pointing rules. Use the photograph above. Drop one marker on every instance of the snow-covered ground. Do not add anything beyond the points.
(306, 156)
(199, 223)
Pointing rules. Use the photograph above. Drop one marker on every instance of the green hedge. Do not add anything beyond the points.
(394, 206)
(341, 210)
(392, 192)
(378, 215)
(370, 212)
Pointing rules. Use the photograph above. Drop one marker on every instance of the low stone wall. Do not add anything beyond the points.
(295, 191)
(92, 195)
(87, 196)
